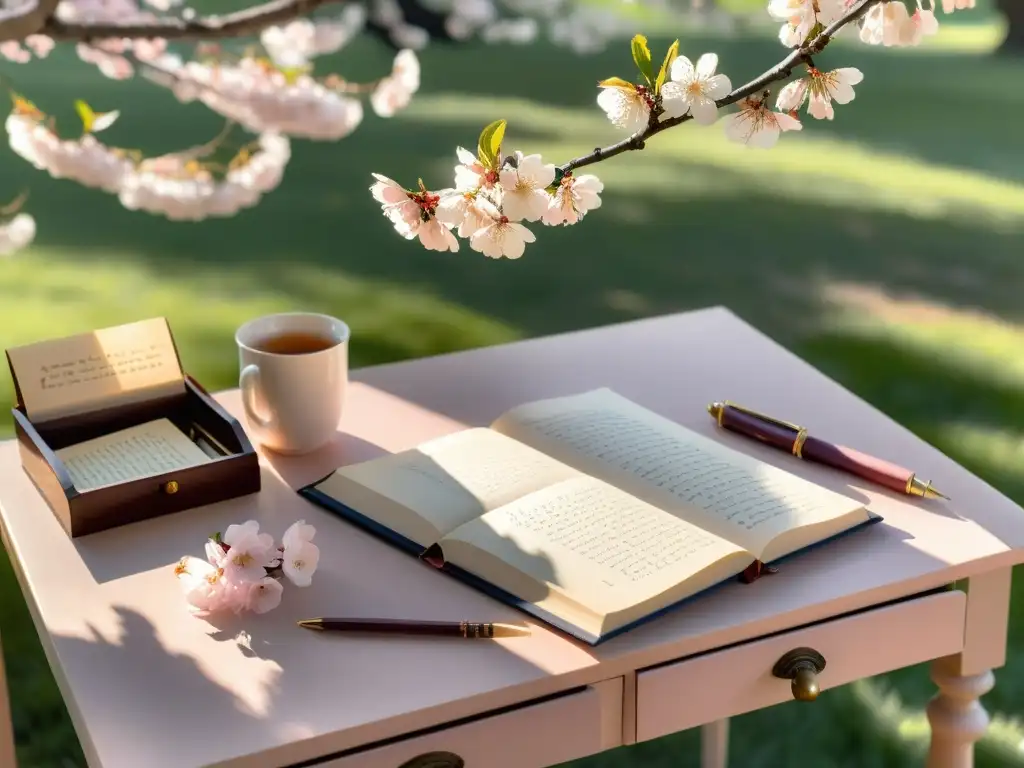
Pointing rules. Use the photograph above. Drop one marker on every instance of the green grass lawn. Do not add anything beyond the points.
(887, 247)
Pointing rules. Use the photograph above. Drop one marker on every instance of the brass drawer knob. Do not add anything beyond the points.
(171, 486)
(802, 666)
(435, 760)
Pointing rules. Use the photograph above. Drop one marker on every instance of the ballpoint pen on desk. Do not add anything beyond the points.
(794, 439)
(467, 629)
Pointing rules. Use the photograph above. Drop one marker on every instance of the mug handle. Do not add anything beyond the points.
(248, 383)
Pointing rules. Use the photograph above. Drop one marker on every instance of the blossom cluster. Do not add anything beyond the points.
(244, 568)
(298, 43)
(262, 95)
(182, 189)
(494, 194)
(180, 186)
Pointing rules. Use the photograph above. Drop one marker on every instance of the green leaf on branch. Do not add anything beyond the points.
(489, 146)
(88, 116)
(642, 57)
(94, 122)
(617, 82)
(673, 53)
(292, 74)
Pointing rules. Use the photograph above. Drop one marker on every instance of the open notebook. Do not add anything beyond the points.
(590, 512)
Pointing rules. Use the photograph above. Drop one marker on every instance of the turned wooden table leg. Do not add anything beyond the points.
(956, 716)
(714, 744)
(7, 757)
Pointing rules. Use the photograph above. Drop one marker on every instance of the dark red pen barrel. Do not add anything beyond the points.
(839, 457)
(856, 463)
(406, 627)
(774, 435)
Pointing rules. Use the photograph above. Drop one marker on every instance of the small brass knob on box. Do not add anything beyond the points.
(171, 486)
(802, 666)
(435, 760)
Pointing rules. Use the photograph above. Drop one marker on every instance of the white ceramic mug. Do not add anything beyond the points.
(293, 400)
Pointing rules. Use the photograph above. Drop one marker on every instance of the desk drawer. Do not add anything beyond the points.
(688, 693)
(532, 736)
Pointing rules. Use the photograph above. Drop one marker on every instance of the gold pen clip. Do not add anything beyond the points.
(801, 433)
(761, 416)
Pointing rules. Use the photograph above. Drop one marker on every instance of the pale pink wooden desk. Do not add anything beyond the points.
(150, 687)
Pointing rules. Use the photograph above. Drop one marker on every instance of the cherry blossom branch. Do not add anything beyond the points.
(237, 24)
(780, 71)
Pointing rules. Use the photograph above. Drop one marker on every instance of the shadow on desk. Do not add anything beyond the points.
(344, 449)
(266, 685)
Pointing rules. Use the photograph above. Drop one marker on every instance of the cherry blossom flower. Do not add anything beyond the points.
(948, 6)
(264, 595)
(300, 556)
(922, 24)
(249, 552)
(463, 210)
(628, 106)
(756, 125)
(296, 534)
(395, 91)
(40, 45)
(102, 11)
(235, 590)
(470, 174)
(112, 65)
(299, 563)
(16, 234)
(202, 585)
(823, 88)
(501, 237)
(85, 160)
(181, 188)
(886, 24)
(416, 215)
(574, 197)
(300, 41)
(263, 99)
(398, 204)
(524, 182)
(216, 553)
(163, 5)
(694, 89)
(799, 17)
(12, 51)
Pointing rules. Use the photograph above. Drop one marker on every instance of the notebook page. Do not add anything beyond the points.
(142, 451)
(724, 491)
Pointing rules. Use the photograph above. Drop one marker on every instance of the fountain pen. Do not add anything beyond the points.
(794, 439)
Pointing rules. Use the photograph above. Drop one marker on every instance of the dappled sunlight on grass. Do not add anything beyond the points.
(889, 715)
(987, 346)
(999, 449)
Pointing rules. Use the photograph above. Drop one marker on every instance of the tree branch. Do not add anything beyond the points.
(238, 24)
(23, 20)
(780, 71)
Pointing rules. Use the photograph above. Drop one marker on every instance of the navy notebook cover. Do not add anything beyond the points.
(333, 505)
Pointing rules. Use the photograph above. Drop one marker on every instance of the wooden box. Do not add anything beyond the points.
(94, 385)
